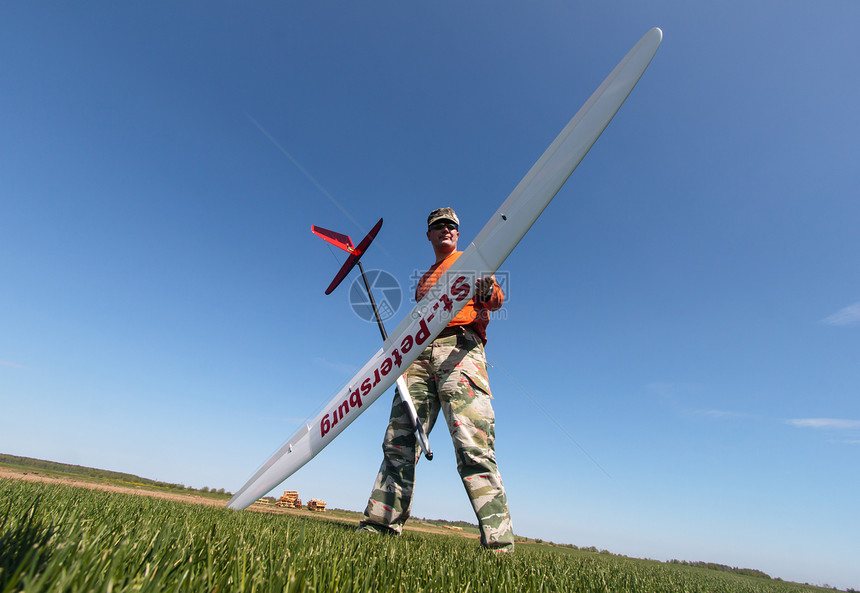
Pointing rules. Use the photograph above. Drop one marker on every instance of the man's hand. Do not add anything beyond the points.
(484, 288)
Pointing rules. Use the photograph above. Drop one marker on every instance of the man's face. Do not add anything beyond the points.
(443, 235)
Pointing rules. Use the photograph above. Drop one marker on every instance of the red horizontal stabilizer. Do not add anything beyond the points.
(336, 239)
(355, 254)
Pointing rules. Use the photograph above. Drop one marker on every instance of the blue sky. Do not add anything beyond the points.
(687, 309)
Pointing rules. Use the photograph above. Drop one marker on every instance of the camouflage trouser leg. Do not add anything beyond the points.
(450, 375)
(390, 502)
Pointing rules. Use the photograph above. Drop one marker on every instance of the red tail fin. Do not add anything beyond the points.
(345, 243)
(336, 239)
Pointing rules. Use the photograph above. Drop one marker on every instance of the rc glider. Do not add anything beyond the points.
(454, 289)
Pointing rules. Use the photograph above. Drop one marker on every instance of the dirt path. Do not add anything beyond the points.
(34, 476)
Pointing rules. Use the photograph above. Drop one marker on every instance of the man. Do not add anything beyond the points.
(451, 376)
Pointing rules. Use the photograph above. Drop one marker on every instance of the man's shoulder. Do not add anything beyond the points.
(445, 263)
(454, 256)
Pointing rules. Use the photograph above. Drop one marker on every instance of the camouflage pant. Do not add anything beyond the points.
(451, 376)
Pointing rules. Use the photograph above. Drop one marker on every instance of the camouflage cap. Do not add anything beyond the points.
(443, 214)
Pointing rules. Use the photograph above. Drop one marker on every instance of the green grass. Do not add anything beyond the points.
(61, 538)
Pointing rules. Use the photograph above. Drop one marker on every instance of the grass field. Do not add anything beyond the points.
(62, 538)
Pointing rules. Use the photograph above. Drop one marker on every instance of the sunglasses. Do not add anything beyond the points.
(437, 226)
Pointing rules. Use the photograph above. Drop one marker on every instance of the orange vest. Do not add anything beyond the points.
(475, 315)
